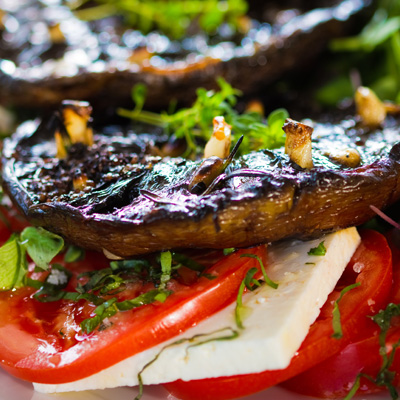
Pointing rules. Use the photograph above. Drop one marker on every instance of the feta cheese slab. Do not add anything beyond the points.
(275, 323)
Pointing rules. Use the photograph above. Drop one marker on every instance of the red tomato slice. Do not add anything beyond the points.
(334, 377)
(41, 342)
(371, 265)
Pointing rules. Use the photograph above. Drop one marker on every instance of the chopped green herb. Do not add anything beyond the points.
(74, 253)
(13, 265)
(187, 262)
(309, 263)
(147, 15)
(195, 123)
(383, 319)
(250, 283)
(267, 280)
(52, 288)
(136, 265)
(385, 376)
(233, 334)
(320, 250)
(103, 311)
(209, 276)
(110, 307)
(41, 245)
(166, 268)
(337, 326)
(229, 251)
(354, 388)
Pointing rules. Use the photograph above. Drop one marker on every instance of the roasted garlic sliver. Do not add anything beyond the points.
(76, 119)
(220, 141)
(371, 110)
(346, 157)
(298, 143)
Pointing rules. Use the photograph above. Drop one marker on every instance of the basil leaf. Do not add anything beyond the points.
(12, 264)
(246, 282)
(103, 311)
(143, 299)
(41, 245)
(337, 326)
(52, 288)
(74, 253)
(320, 250)
(166, 267)
(111, 307)
(228, 251)
(267, 280)
(187, 262)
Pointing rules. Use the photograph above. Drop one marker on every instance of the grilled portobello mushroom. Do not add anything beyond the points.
(47, 54)
(116, 194)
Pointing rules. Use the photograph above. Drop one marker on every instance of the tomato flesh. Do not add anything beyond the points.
(371, 265)
(54, 349)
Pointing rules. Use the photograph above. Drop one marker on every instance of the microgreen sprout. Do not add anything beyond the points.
(194, 124)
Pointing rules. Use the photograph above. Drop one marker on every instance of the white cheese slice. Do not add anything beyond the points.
(277, 322)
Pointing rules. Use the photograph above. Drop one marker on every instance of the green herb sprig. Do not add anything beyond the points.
(194, 124)
(374, 54)
(148, 15)
(336, 323)
(101, 284)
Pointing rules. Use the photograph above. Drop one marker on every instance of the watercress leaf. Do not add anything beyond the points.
(41, 245)
(195, 124)
(279, 115)
(139, 93)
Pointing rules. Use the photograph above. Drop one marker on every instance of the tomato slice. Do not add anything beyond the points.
(334, 377)
(41, 342)
(371, 265)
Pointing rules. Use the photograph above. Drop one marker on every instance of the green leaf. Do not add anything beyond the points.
(52, 288)
(336, 323)
(166, 268)
(267, 280)
(12, 264)
(187, 262)
(173, 18)
(103, 311)
(143, 299)
(228, 251)
(41, 245)
(139, 93)
(195, 124)
(320, 250)
(74, 253)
